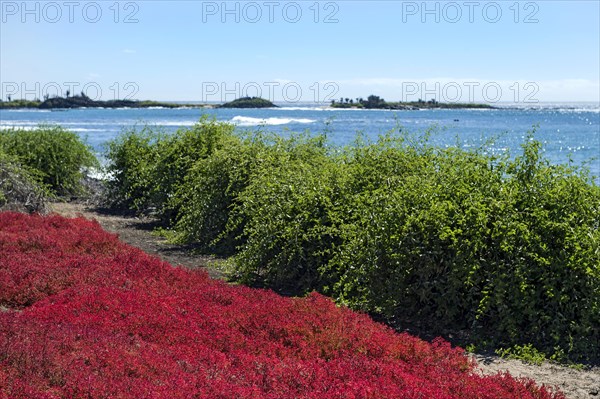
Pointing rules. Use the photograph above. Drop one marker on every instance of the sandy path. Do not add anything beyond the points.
(138, 233)
(576, 384)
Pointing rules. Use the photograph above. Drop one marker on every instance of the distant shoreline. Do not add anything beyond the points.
(375, 102)
(399, 106)
(83, 101)
(75, 102)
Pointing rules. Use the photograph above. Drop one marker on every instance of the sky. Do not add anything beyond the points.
(302, 51)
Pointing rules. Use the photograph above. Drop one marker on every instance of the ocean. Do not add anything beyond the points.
(570, 132)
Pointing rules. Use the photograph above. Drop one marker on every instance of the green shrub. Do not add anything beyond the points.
(20, 188)
(131, 159)
(505, 249)
(412, 217)
(178, 153)
(58, 155)
(208, 193)
(289, 215)
(526, 353)
(147, 167)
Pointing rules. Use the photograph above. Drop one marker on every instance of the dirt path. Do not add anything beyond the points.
(138, 233)
(576, 384)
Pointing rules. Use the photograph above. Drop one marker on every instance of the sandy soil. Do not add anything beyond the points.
(138, 233)
(576, 384)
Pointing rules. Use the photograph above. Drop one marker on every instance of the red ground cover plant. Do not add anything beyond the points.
(86, 316)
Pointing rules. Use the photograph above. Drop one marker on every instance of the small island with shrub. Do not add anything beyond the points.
(375, 102)
(248, 102)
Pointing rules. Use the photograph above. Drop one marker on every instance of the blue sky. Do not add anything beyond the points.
(510, 51)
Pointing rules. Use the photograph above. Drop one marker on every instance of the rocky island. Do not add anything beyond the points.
(248, 102)
(375, 102)
(83, 101)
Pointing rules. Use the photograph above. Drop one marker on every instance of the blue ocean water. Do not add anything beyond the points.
(569, 132)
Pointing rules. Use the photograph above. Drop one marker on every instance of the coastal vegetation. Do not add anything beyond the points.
(375, 102)
(497, 252)
(21, 188)
(501, 251)
(83, 315)
(16, 104)
(46, 160)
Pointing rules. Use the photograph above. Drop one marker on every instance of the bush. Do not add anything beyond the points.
(131, 157)
(20, 188)
(505, 249)
(148, 167)
(178, 153)
(59, 156)
(285, 213)
(209, 192)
